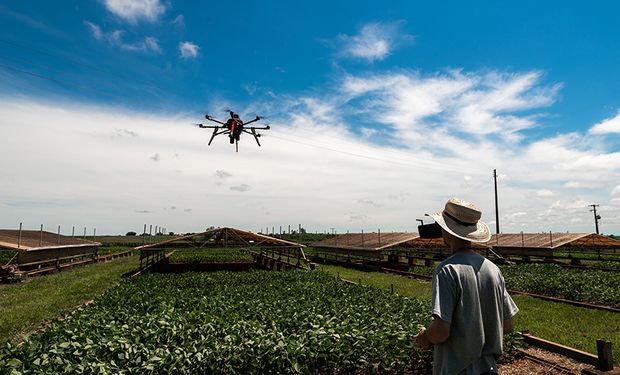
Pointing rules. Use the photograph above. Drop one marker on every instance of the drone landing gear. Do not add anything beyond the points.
(213, 135)
(256, 135)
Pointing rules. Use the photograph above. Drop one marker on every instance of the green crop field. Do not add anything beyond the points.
(591, 286)
(574, 326)
(24, 306)
(131, 241)
(263, 322)
(226, 322)
(217, 255)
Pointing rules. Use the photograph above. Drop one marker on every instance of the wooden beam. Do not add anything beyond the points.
(575, 354)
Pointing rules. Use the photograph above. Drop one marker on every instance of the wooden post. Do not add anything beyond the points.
(550, 239)
(73, 232)
(58, 238)
(605, 360)
(94, 234)
(41, 236)
(19, 237)
(379, 233)
(82, 237)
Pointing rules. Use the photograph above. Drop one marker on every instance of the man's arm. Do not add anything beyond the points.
(436, 333)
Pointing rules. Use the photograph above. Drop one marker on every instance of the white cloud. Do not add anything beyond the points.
(222, 174)
(116, 38)
(453, 103)
(422, 153)
(125, 132)
(135, 10)
(188, 50)
(578, 185)
(152, 44)
(179, 21)
(544, 193)
(147, 44)
(607, 126)
(375, 41)
(95, 30)
(518, 214)
(240, 188)
(368, 132)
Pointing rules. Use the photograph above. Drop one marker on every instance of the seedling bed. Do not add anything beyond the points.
(232, 322)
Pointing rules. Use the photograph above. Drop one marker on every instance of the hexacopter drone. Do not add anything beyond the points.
(234, 126)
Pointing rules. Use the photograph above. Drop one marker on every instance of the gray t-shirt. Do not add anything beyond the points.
(469, 293)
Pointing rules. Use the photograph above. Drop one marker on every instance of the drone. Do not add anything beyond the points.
(233, 127)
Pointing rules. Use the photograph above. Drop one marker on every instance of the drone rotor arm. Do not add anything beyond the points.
(214, 120)
(254, 120)
(201, 126)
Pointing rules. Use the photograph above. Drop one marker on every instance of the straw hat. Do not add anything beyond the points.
(462, 219)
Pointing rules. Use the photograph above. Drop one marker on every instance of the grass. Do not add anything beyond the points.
(402, 285)
(25, 306)
(577, 327)
(573, 326)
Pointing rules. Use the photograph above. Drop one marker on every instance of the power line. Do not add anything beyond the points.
(404, 163)
(76, 62)
(57, 81)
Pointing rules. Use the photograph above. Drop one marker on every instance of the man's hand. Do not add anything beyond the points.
(422, 340)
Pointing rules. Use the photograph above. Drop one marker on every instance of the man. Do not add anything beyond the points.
(470, 306)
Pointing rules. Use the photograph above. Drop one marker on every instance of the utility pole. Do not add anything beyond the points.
(596, 217)
(496, 207)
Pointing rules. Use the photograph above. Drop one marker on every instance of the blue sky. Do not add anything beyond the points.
(379, 112)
